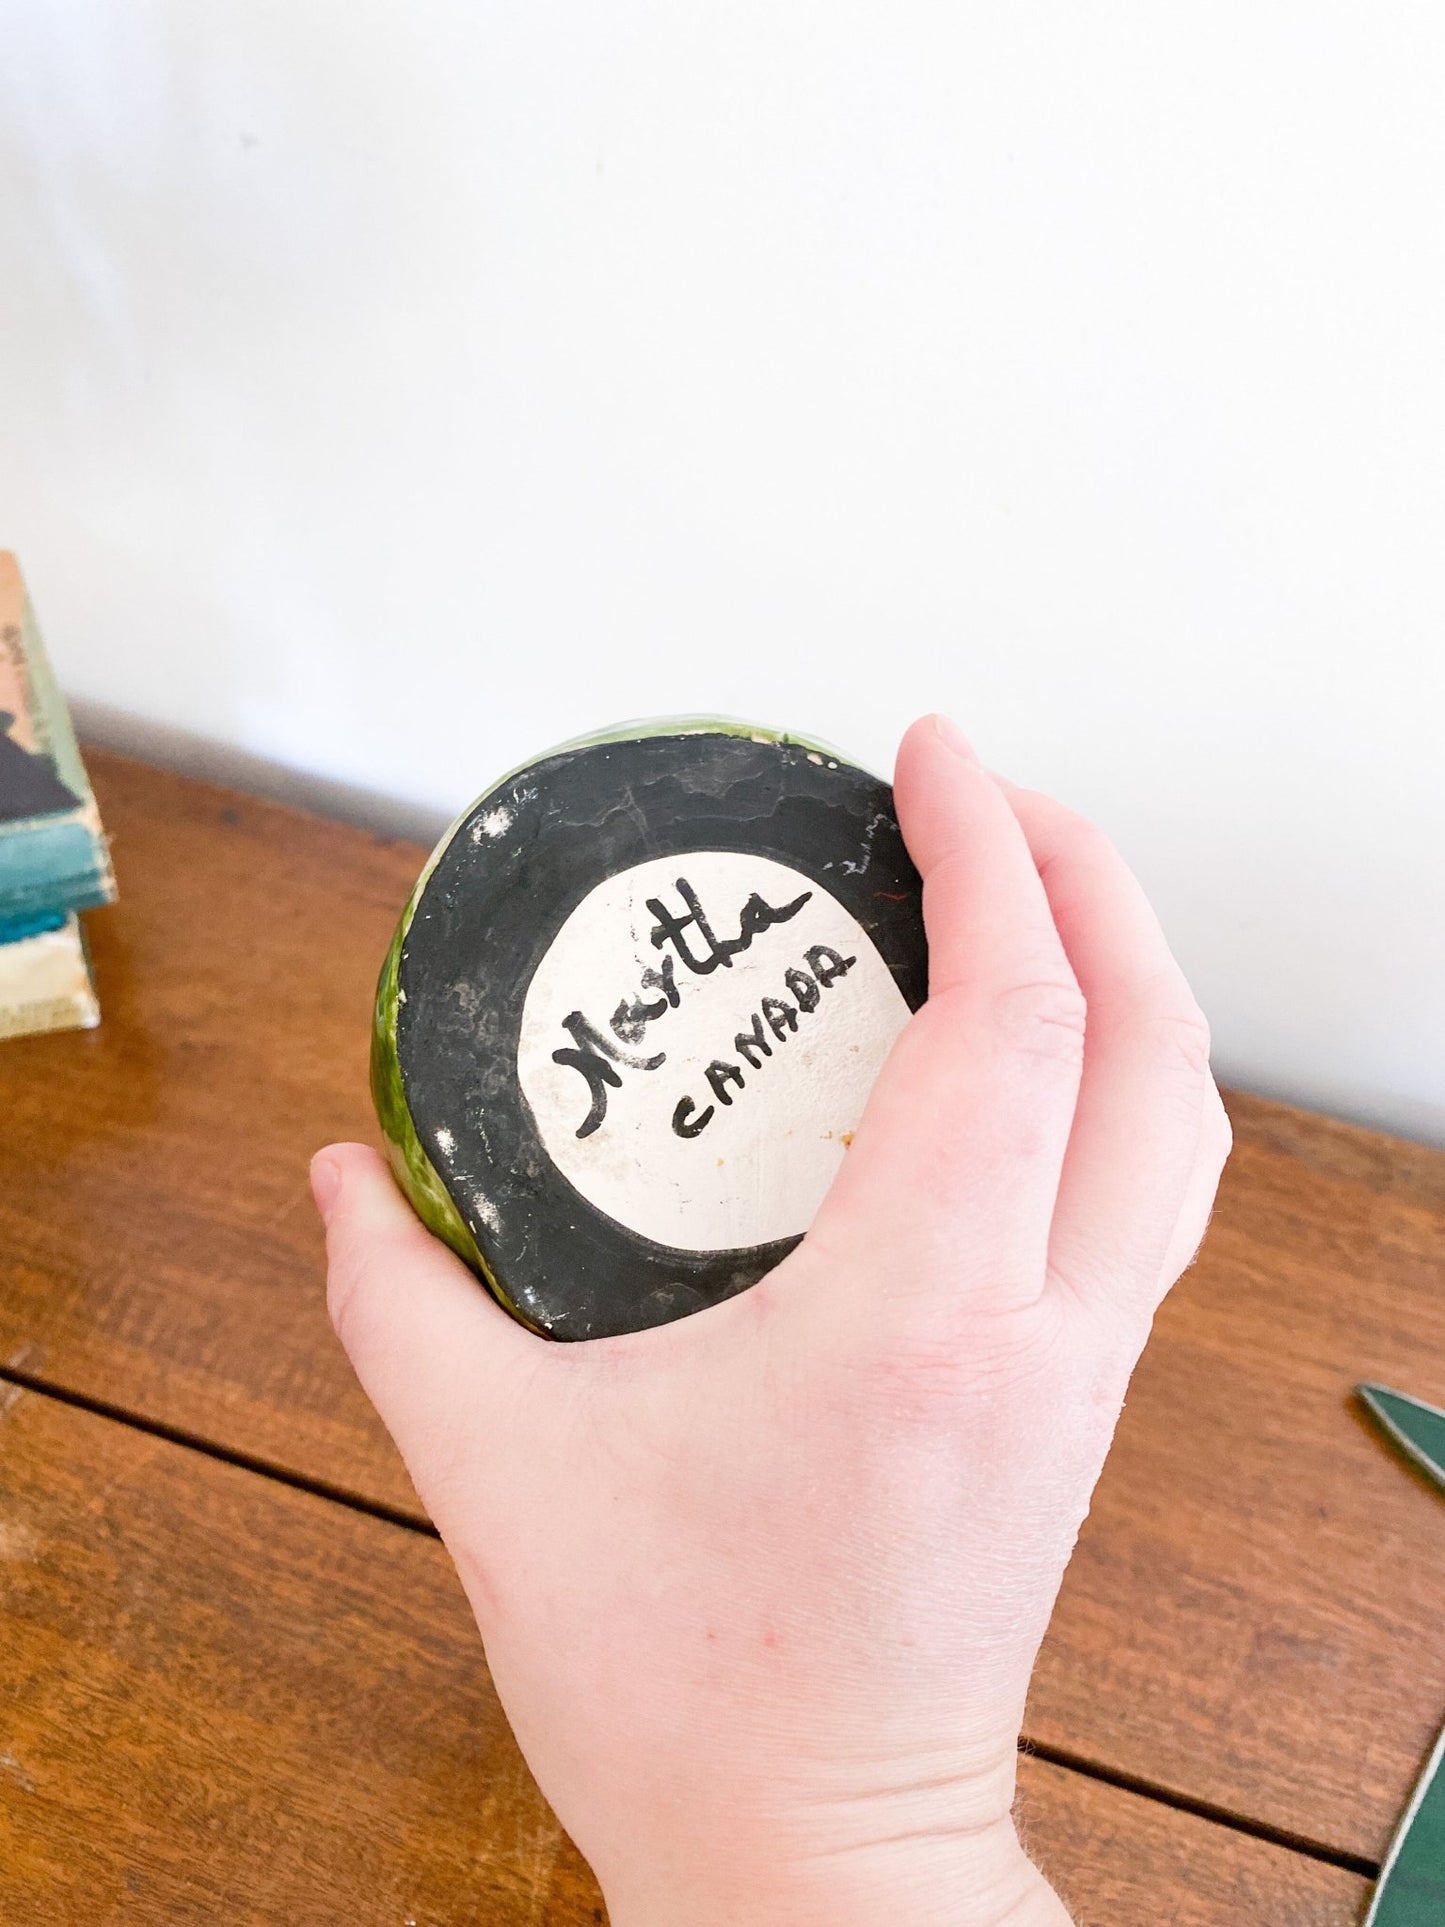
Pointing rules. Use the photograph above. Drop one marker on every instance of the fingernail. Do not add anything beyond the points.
(949, 732)
(325, 1183)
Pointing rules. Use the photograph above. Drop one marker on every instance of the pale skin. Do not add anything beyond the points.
(761, 1590)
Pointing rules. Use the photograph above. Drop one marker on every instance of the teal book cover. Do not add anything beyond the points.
(53, 854)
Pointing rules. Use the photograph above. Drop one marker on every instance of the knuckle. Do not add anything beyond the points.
(1044, 1017)
(918, 1380)
(1219, 1132)
(1182, 1036)
(350, 1258)
(341, 1302)
(1088, 844)
(942, 1372)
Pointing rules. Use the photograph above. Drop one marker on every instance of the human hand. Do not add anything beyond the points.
(761, 1590)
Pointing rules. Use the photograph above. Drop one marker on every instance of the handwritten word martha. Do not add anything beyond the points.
(685, 937)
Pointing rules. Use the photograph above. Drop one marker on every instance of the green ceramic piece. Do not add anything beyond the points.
(1411, 1887)
(1416, 1428)
(453, 918)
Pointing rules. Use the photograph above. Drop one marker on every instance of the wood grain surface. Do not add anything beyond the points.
(226, 1700)
(223, 1700)
(1253, 1617)
(158, 1248)
(1117, 1859)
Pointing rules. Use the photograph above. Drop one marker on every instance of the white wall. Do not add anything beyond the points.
(390, 390)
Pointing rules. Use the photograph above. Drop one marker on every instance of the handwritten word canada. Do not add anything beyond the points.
(687, 941)
(825, 967)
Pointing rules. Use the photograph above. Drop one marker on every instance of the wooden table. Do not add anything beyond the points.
(238, 1681)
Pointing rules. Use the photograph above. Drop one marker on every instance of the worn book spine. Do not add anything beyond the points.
(45, 983)
(53, 853)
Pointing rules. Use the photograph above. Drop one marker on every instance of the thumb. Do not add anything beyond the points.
(433, 1350)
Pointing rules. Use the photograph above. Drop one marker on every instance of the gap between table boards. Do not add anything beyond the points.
(21, 1380)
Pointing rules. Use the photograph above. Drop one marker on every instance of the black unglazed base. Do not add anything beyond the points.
(490, 910)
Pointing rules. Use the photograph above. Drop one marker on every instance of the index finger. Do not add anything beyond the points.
(953, 1173)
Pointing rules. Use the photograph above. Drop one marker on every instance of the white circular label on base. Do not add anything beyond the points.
(698, 1043)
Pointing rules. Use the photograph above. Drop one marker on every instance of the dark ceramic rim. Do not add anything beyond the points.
(493, 906)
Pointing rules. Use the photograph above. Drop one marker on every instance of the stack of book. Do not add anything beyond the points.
(54, 861)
